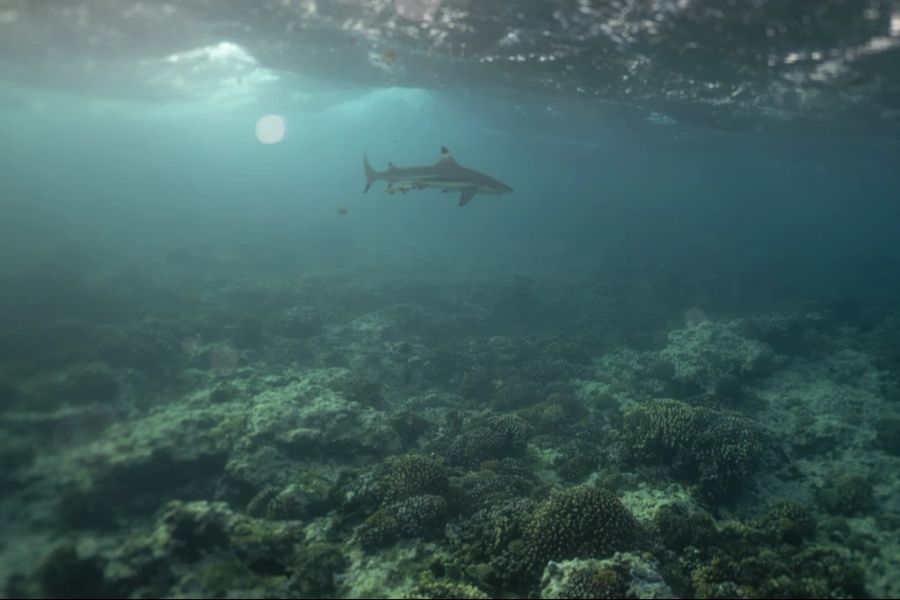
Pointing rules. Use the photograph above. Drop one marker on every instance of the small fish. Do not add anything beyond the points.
(389, 56)
(342, 211)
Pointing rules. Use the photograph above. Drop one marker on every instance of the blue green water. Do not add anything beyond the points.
(666, 365)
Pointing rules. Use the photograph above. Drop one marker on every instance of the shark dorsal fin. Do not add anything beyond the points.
(446, 158)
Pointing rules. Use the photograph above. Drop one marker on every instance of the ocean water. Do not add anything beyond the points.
(666, 364)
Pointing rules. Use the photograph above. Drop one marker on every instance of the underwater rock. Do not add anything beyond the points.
(887, 435)
(313, 569)
(501, 436)
(415, 517)
(299, 323)
(399, 478)
(717, 452)
(140, 464)
(15, 453)
(155, 347)
(492, 541)
(224, 392)
(397, 323)
(711, 358)
(137, 487)
(756, 569)
(439, 365)
(191, 530)
(548, 369)
(768, 557)
(677, 527)
(410, 426)
(249, 332)
(94, 382)
(625, 575)
(495, 483)
(514, 394)
(65, 574)
(577, 460)
(250, 471)
(356, 388)
(845, 494)
(306, 419)
(10, 395)
(555, 415)
(476, 384)
(790, 333)
(305, 497)
(203, 549)
(788, 522)
(445, 589)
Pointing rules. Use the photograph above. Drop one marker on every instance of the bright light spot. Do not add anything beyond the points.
(417, 10)
(270, 129)
(223, 53)
(895, 24)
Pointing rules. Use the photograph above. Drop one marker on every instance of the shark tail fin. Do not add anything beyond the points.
(371, 174)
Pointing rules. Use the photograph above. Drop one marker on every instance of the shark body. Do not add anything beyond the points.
(446, 174)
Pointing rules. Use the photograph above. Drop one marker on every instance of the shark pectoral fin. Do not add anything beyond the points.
(466, 197)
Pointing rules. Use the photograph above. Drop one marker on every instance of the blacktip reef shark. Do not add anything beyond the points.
(446, 174)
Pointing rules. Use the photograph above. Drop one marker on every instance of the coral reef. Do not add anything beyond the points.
(714, 359)
(345, 437)
(717, 452)
(625, 575)
(401, 477)
(500, 436)
(417, 516)
(580, 522)
(845, 494)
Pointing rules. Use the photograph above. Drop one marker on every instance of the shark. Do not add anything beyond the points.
(446, 175)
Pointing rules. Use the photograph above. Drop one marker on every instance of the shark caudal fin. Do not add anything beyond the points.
(371, 174)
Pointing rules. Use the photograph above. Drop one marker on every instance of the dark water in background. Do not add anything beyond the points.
(738, 157)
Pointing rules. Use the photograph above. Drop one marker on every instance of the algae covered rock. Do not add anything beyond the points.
(305, 417)
(500, 436)
(298, 322)
(204, 549)
(445, 589)
(95, 382)
(580, 522)
(677, 527)
(625, 575)
(306, 496)
(713, 358)
(717, 452)
(845, 494)
(493, 539)
(66, 574)
(887, 436)
(788, 522)
(401, 477)
(415, 517)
